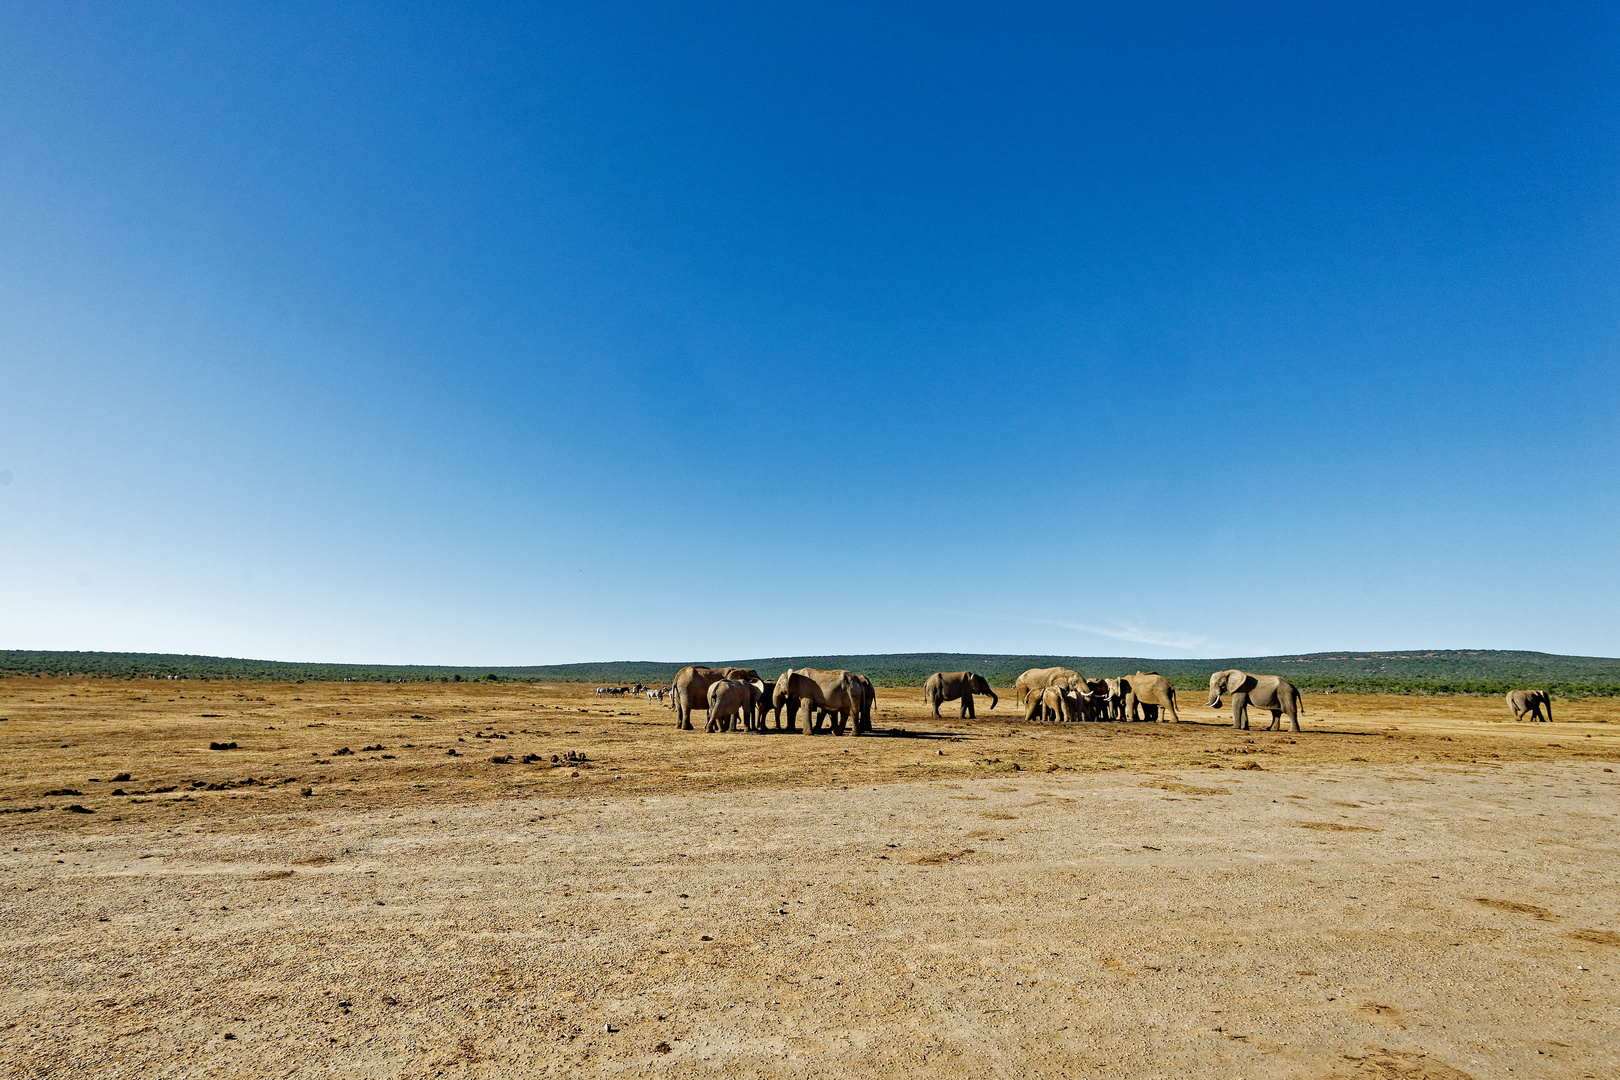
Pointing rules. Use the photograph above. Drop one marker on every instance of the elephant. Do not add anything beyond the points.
(1148, 688)
(767, 705)
(1055, 703)
(1116, 699)
(785, 705)
(943, 686)
(1273, 693)
(1529, 703)
(1095, 707)
(729, 699)
(691, 689)
(821, 692)
(1040, 678)
(863, 721)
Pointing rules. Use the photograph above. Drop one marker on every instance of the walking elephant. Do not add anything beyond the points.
(1529, 703)
(1148, 688)
(943, 686)
(691, 689)
(1273, 693)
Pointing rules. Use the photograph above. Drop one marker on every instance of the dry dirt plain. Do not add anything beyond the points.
(1412, 887)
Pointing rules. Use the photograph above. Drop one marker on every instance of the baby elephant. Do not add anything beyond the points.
(730, 699)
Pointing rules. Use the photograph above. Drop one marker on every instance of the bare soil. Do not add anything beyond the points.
(1411, 887)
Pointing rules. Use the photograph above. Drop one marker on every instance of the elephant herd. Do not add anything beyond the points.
(733, 694)
(1062, 694)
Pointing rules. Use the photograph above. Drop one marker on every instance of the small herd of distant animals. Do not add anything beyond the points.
(733, 695)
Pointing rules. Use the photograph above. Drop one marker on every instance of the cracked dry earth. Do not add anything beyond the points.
(1415, 921)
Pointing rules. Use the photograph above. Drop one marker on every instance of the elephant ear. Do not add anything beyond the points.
(1235, 681)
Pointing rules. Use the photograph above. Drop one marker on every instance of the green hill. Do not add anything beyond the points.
(1423, 671)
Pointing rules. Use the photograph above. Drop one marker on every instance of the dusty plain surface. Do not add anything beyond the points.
(1411, 887)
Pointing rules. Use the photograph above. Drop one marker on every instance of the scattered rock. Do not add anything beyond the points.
(501, 759)
(69, 791)
(661, 1048)
(367, 749)
(77, 809)
(344, 752)
(307, 792)
(122, 776)
(222, 746)
(452, 752)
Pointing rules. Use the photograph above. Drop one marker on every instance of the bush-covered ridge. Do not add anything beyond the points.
(1427, 671)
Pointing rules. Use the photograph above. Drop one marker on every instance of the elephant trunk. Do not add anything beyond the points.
(1546, 699)
(994, 699)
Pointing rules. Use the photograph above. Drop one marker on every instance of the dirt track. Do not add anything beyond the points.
(1113, 907)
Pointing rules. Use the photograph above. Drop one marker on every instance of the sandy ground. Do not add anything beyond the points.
(1411, 887)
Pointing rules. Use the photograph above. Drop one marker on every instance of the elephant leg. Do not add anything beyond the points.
(967, 708)
(1276, 721)
(1293, 719)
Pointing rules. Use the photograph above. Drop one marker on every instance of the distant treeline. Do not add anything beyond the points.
(1448, 671)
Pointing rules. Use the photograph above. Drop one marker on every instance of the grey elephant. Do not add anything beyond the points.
(1033, 681)
(730, 700)
(1095, 707)
(692, 688)
(1273, 693)
(1116, 699)
(841, 694)
(943, 686)
(1062, 704)
(1148, 688)
(1529, 703)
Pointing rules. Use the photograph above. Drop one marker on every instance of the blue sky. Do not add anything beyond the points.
(525, 334)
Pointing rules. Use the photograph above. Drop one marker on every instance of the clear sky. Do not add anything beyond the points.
(538, 333)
